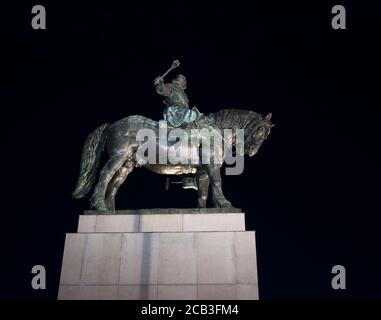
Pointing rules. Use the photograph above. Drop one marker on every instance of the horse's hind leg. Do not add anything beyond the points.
(108, 171)
(118, 179)
(202, 178)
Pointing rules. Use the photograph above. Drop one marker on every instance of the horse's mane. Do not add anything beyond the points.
(235, 118)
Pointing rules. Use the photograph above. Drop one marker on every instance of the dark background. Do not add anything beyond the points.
(312, 191)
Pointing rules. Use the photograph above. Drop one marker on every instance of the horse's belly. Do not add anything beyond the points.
(167, 169)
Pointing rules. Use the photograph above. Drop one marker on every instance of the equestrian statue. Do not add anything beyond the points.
(120, 140)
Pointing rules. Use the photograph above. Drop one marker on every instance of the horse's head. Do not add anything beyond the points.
(259, 133)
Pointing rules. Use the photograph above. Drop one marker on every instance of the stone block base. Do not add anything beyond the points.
(177, 256)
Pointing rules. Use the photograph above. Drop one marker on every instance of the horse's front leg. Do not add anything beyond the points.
(202, 178)
(219, 199)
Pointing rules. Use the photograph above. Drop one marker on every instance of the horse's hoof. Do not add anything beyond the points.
(226, 204)
(101, 208)
(98, 205)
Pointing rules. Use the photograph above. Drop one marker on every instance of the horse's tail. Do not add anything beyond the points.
(91, 156)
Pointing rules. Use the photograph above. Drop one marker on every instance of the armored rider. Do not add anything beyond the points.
(177, 111)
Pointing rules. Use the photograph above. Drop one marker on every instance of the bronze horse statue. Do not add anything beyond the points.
(120, 141)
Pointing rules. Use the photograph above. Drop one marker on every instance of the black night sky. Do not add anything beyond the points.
(311, 193)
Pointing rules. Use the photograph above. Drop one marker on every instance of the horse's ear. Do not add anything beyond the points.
(268, 117)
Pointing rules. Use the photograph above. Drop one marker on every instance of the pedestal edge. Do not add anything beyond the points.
(164, 211)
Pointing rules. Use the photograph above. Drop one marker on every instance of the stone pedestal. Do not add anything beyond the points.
(160, 254)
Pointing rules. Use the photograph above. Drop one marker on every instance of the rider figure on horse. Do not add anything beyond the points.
(177, 111)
